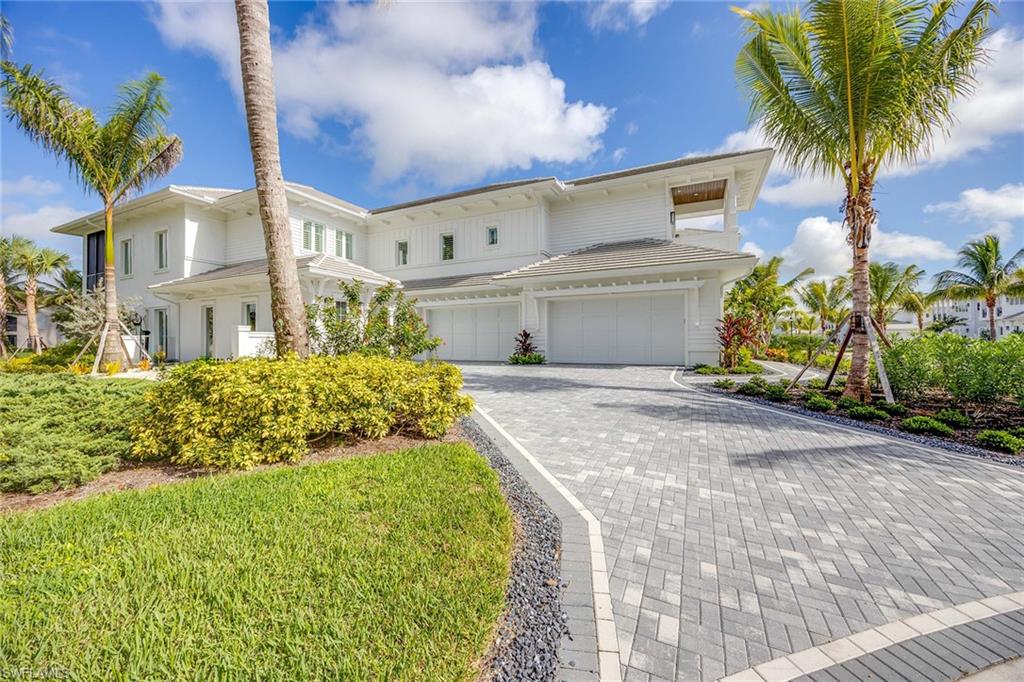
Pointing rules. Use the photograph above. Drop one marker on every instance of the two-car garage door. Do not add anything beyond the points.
(640, 329)
(485, 332)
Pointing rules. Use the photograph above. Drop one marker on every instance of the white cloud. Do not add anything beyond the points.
(752, 247)
(36, 224)
(29, 186)
(632, 128)
(820, 243)
(622, 15)
(619, 154)
(400, 77)
(993, 110)
(1004, 203)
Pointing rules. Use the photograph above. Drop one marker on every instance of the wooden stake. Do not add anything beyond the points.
(879, 365)
(839, 356)
(99, 349)
(821, 348)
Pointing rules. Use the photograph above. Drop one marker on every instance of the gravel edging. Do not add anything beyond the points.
(526, 640)
(958, 448)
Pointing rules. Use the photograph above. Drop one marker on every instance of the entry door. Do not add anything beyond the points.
(208, 328)
(627, 330)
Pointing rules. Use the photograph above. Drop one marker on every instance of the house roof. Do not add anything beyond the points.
(638, 253)
(320, 263)
(461, 193)
(665, 165)
(477, 279)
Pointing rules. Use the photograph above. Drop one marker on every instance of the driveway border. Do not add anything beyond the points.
(591, 650)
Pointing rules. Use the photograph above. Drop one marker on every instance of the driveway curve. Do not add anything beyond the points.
(735, 535)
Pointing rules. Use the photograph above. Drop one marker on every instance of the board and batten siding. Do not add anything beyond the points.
(244, 235)
(601, 219)
(517, 237)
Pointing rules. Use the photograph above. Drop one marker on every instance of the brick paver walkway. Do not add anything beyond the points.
(736, 535)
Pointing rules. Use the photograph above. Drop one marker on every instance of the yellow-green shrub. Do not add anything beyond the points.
(256, 410)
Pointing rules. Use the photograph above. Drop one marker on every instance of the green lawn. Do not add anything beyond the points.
(387, 567)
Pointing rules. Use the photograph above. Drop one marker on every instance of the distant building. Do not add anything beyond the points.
(1009, 316)
(16, 329)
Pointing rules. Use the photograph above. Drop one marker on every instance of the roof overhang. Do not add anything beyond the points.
(739, 263)
(167, 197)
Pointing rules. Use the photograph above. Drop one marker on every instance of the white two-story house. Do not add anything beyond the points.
(601, 269)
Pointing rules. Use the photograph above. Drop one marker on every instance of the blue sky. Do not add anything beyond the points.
(384, 105)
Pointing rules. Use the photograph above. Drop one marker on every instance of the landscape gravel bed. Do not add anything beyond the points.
(951, 446)
(525, 645)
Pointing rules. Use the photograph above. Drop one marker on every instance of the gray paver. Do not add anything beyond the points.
(752, 527)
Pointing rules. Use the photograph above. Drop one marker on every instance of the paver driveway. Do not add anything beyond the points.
(735, 535)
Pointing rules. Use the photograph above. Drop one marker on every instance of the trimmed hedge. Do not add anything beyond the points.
(1001, 440)
(258, 410)
(867, 413)
(818, 403)
(954, 418)
(921, 424)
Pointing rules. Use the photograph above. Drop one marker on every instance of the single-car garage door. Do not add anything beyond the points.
(641, 329)
(485, 332)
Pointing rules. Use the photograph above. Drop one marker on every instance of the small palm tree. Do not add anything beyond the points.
(114, 160)
(916, 302)
(36, 262)
(890, 287)
(763, 297)
(10, 280)
(845, 88)
(984, 274)
(825, 300)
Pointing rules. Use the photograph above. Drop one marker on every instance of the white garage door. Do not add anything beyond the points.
(485, 332)
(641, 330)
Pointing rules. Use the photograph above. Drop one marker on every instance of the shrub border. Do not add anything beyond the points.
(927, 441)
(525, 644)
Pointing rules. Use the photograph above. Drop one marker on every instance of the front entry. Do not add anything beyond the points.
(485, 332)
(627, 329)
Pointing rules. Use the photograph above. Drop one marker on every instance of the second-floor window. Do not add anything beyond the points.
(402, 253)
(492, 235)
(126, 257)
(162, 258)
(307, 235)
(343, 244)
(447, 247)
(313, 236)
(318, 237)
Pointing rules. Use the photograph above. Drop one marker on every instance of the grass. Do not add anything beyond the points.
(59, 430)
(386, 567)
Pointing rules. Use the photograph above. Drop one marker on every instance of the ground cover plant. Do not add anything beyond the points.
(384, 567)
(60, 430)
(260, 410)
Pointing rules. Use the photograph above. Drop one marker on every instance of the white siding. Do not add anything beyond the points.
(244, 239)
(300, 214)
(204, 240)
(597, 218)
(517, 244)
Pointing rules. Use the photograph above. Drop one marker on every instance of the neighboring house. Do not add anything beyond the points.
(16, 329)
(1009, 316)
(601, 269)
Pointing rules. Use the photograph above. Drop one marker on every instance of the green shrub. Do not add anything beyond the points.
(847, 403)
(818, 403)
(751, 388)
(778, 354)
(526, 359)
(60, 430)
(710, 370)
(926, 425)
(894, 409)
(866, 413)
(776, 393)
(1001, 440)
(805, 343)
(56, 359)
(726, 384)
(749, 367)
(257, 410)
(954, 418)
(1017, 431)
(817, 383)
(909, 367)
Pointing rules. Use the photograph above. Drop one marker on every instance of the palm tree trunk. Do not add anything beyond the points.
(30, 311)
(860, 216)
(920, 322)
(3, 315)
(991, 303)
(286, 307)
(112, 347)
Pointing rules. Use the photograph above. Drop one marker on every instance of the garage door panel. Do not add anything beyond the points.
(623, 329)
(475, 332)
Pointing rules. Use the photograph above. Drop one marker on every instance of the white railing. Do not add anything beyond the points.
(246, 342)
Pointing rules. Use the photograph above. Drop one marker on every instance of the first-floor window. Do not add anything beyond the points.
(341, 309)
(126, 256)
(249, 315)
(492, 235)
(402, 253)
(160, 329)
(447, 246)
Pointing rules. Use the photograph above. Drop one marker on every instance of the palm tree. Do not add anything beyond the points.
(890, 287)
(36, 262)
(762, 297)
(9, 281)
(916, 302)
(114, 160)
(825, 300)
(851, 88)
(984, 275)
(6, 37)
(286, 307)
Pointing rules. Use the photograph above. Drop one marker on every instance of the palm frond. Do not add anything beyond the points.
(157, 157)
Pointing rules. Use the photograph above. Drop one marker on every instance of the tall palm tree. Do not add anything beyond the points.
(984, 274)
(36, 262)
(825, 300)
(9, 281)
(115, 160)
(286, 307)
(844, 88)
(890, 287)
